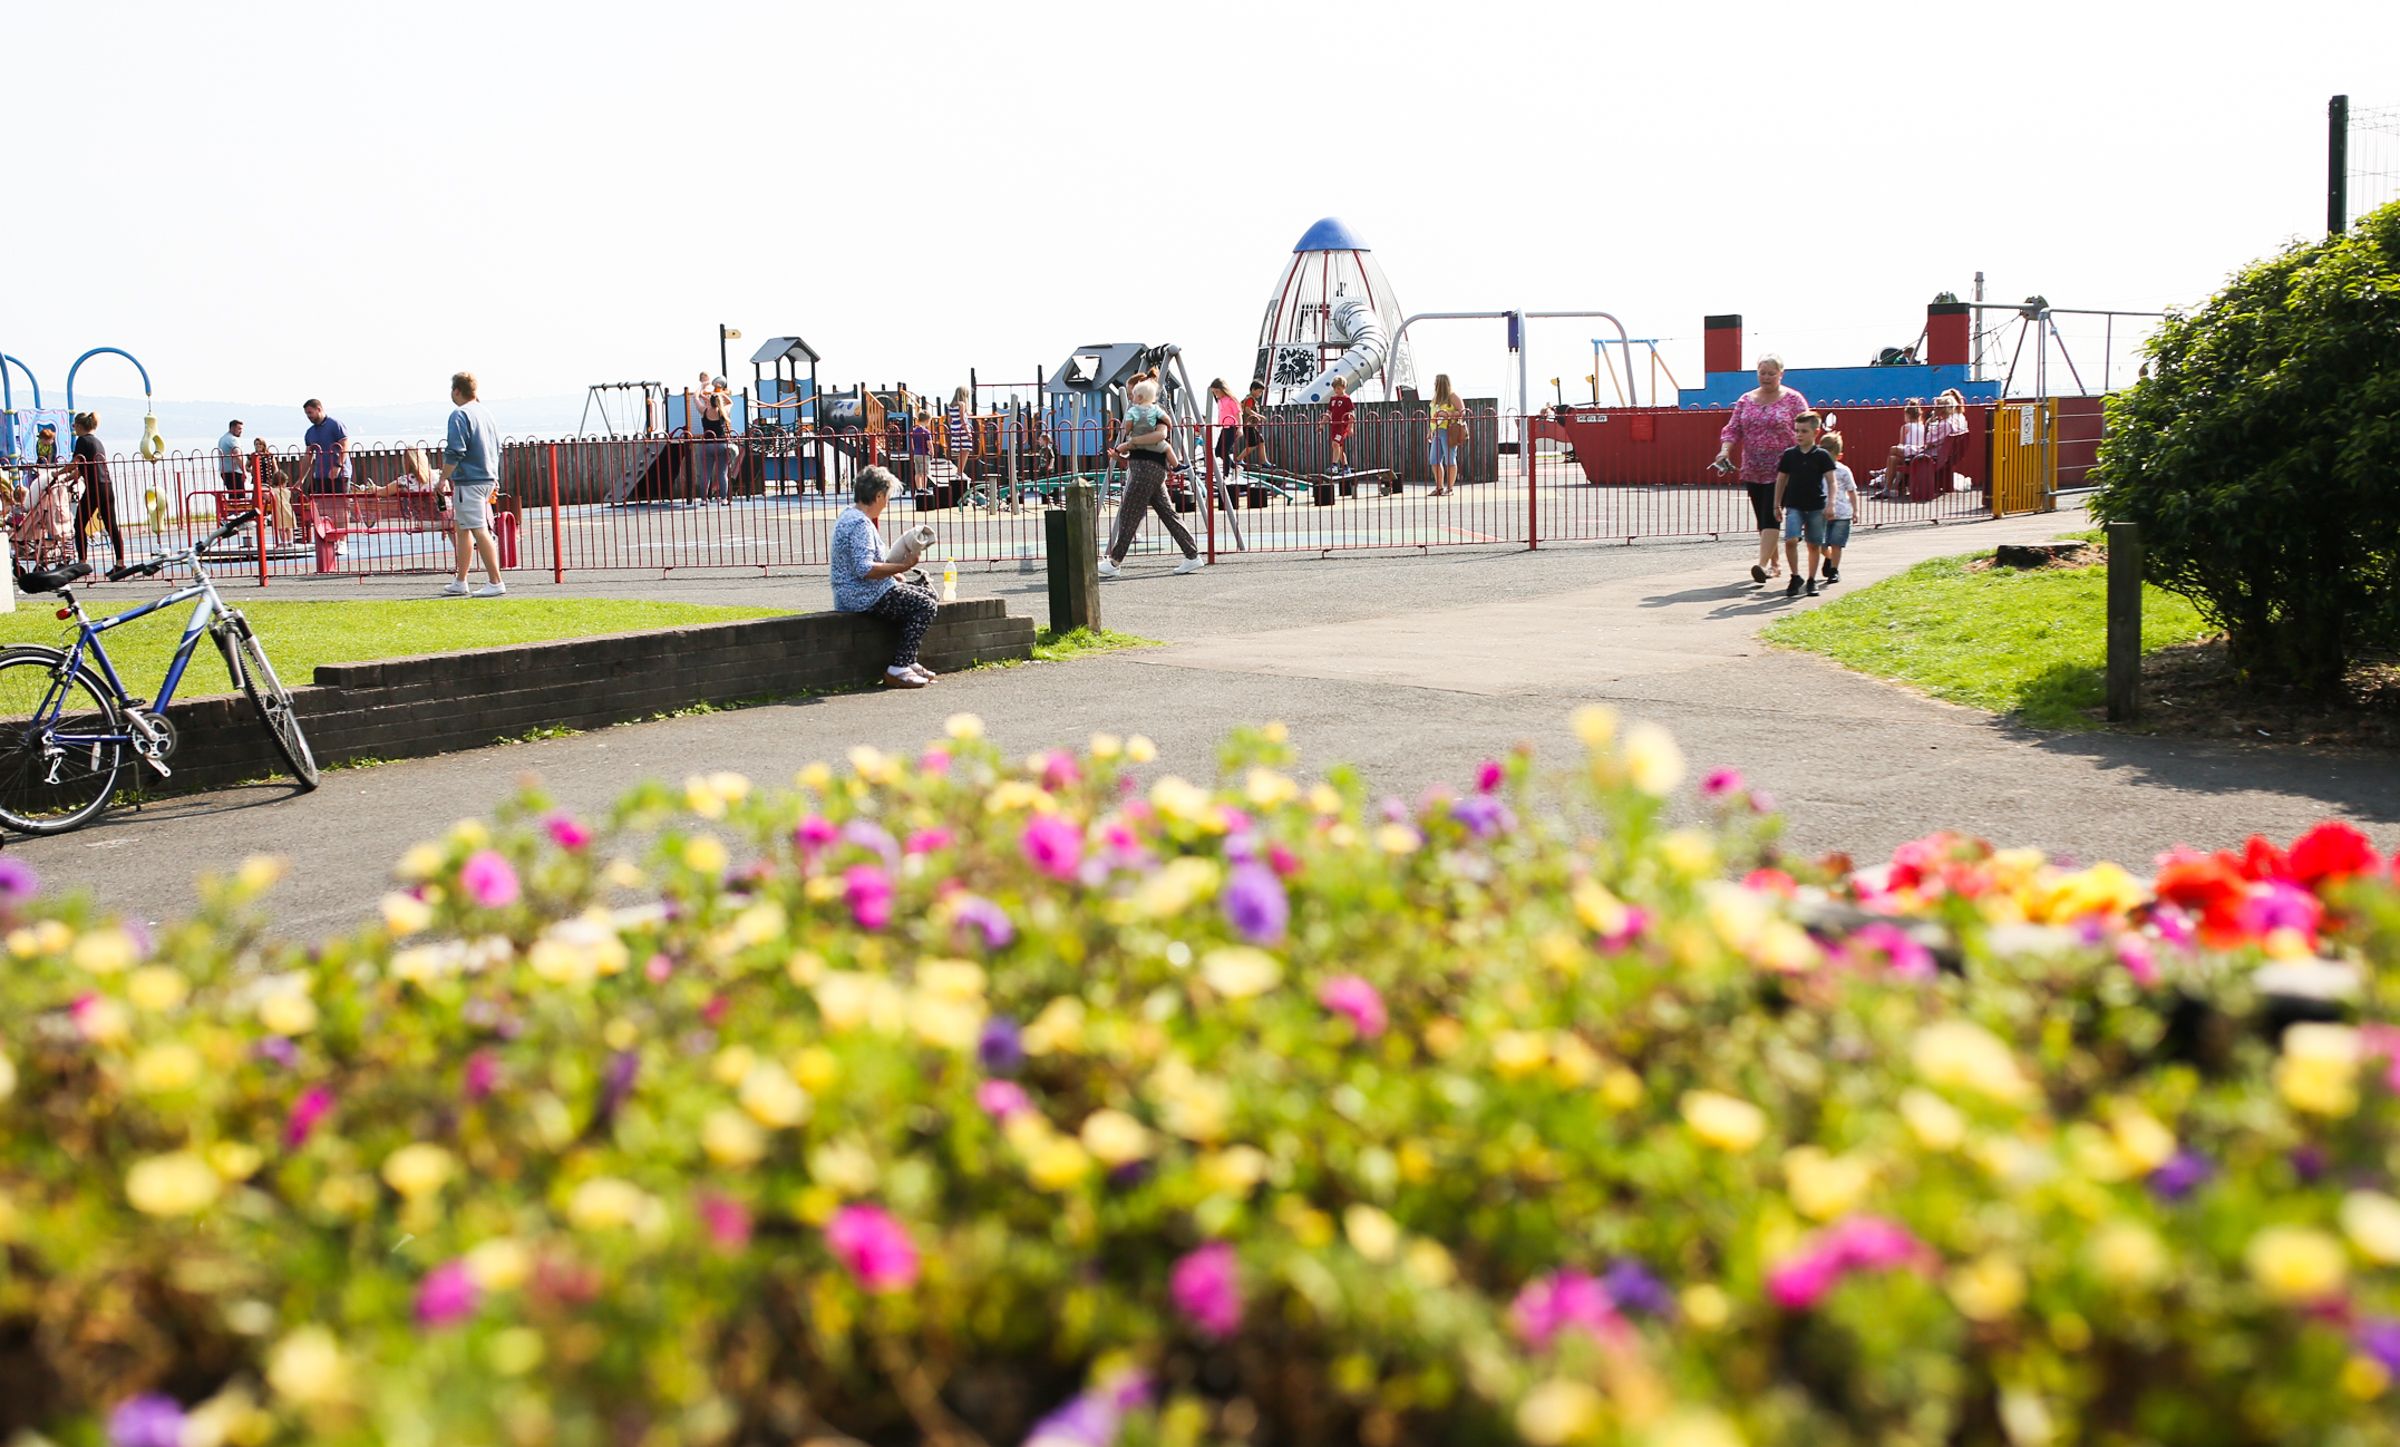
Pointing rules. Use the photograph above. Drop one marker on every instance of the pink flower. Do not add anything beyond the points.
(1059, 771)
(565, 832)
(814, 833)
(869, 892)
(1561, 1301)
(1721, 782)
(1206, 1287)
(726, 1219)
(1902, 955)
(2139, 960)
(1283, 861)
(1052, 845)
(1855, 1243)
(482, 1074)
(2278, 906)
(1358, 1001)
(934, 762)
(489, 879)
(314, 1104)
(446, 1296)
(1001, 1099)
(1802, 1281)
(1489, 776)
(874, 1246)
(927, 841)
(657, 969)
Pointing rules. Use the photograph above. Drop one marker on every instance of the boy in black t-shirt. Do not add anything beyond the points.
(1800, 500)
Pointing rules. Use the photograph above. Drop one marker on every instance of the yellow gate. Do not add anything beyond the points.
(2022, 455)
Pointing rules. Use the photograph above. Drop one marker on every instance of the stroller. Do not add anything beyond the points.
(41, 516)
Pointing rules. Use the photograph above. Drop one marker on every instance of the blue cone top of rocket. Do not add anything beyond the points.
(1330, 234)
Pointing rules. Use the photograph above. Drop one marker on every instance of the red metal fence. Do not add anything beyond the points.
(769, 501)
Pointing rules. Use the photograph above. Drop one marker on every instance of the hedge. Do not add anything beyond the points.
(959, 1099)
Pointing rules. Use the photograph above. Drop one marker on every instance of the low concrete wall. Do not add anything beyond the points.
(408, 708)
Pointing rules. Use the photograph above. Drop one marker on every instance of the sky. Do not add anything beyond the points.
(267, 202)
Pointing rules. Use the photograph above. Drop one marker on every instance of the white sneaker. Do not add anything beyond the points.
(492, 590)
(455, 590)
(1107, 568)
(1190, 565)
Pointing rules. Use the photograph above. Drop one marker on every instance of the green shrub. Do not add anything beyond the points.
(922, 1102)
(2259, 456)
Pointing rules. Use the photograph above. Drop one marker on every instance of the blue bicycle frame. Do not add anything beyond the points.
(87, 635)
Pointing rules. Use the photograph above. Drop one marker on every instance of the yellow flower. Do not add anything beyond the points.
(1238, 971)
(732, 1139)
(421, 862)
(500, 1264)
(1057, 1027)
(1620, 1089)
(1962, 1054)
(607, 1203)
(1267, 789)
(165, 1067)
(287, 1009)
(2371, 1220)
(772, 1097)
(1935, 1122)
(1693, 1427)
(259, 873)
(177, 1184)
(1193, 1106)
(2102, 889)
(963, 726)
(1706, 1306)
(1373, 1234)
(404, 914)
(419, 1169)
(1106, 746)
(1519, 1053)
(1652, 761)
(2364, 1379)
(1054, 1162)
(1178, 885)
(157, 988)
(847, 1001)
(307, 1368)
(816, 1068)
(236, 1160)
(1825, 1186)
(1559, 1411)
(2145, 1143)
(944, 1021)
(2128, 1256)
(1601, 912)
(1690, 853)
(1595, 725)
(1234, 1171)
(872, 764)
(1139, 749)
(103, 1021)
(704, 854)
(105, 952)
(815, 776)
(8, 1077)
(846, 1166)
(1724, 1121)
(470, 834)
(1397, 839)
(1988, 1289)
(1572, 1062)
(1325, 800)
(954, 979)
(1115, 1138)
(2296, 1263)
(2319, 1069)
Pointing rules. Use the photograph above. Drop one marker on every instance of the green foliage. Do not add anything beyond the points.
(897, 1107)
(2031, 643)
(2259, 456)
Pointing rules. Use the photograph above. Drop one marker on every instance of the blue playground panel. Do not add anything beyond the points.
(1846, 386)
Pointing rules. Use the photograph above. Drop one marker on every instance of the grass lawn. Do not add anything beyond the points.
(2031, 643)
(299, 636)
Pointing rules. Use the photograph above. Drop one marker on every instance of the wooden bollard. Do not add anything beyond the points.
(2124, 622)
(1071, 535)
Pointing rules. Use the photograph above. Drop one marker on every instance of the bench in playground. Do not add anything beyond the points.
(334, 517)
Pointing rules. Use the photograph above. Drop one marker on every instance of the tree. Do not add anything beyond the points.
(2261, 456)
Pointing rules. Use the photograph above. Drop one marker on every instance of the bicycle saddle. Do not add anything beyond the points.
(49, 577)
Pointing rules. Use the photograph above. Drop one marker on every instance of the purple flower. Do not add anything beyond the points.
(2309, 1163)
(565, 832)
(873, 838)
(869, 892)
(1052, 845)
(615, 1084)
(1206, 1287)
(489, 879)
(149, 1420)
(1483, 816)
(1358, 1001)
(2378, 1338)
(18, 882)
(314, 1104)
(1635, 1288)
(1001, 1099)
(970, 911)
(1255, 904)
(1092, 1418)
(446, 1296)
(1002, 1048)
(278, 1049)
(874, 1246)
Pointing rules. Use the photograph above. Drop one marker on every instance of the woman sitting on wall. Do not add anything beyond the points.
(865, 582)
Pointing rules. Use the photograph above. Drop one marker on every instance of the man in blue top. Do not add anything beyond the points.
(328, 450)
(233, 467)
(471, 460)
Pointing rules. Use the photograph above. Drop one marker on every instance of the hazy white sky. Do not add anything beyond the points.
(271, 201)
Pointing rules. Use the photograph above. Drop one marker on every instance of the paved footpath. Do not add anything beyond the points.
(1414, 668)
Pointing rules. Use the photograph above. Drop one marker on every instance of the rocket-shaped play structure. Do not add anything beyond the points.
(1332, 315)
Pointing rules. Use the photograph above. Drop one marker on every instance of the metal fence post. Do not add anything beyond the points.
(558, 560)
(1533, 496)
(2337, 165)
(1208, 499)
(2124, 622)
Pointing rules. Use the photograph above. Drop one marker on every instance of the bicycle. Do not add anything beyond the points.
(65, 729)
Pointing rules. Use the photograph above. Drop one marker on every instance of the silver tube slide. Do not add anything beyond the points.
(1360, 332)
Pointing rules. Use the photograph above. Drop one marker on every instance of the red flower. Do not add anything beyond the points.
(2262, 861)
(2209, 886)
(2331, 851)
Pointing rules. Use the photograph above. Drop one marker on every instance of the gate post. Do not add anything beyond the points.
(1069, 533)
(558, 560)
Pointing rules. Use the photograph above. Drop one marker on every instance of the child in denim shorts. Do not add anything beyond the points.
(1841, 505)
(1800, 500)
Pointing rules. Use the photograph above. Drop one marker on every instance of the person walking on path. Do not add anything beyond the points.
(1761, 426)
(1841, 507)
(471, 460)
(99, 489)
(1254, 426)
(1143, 444)
(328, 450)
(1446, 429)
(1229, 427)
(717, 450)
(230, 462)
(864, 581)
(1800, 499)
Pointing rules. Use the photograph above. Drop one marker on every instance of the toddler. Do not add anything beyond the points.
(1841, 506)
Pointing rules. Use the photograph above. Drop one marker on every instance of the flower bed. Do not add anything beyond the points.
(960, 1099)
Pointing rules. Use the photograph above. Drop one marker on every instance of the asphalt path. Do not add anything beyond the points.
(1412, 667)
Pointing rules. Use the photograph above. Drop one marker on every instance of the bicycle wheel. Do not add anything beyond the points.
(272, 700)
(46, 786)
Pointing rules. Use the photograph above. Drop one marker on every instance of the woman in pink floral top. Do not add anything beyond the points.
(1761, 426)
